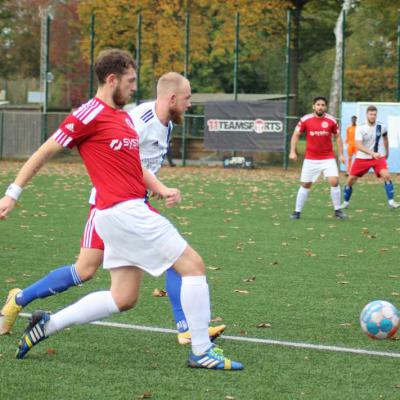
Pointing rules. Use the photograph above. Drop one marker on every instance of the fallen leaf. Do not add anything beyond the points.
(229, 398)
(252, 279)
(51, 351)
(310, 253)
(342, 255)
(10, 280)
(145, 395)
(241, 291)
(343, 283)
(216, 319)
(264, 325)
(214, 268)
(159, 293)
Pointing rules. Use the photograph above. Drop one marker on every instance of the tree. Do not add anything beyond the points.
(336, 86)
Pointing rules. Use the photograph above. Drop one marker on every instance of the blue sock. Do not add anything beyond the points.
(56, 281)
(389, 190)
(347, 191)
(173, 283)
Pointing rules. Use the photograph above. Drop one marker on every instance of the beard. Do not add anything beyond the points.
(320, 113)
(118, 98)
(175, 116)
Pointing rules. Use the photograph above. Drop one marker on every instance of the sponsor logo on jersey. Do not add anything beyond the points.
(319, 133)
(244, 125)
(70, 127)
(117, 144)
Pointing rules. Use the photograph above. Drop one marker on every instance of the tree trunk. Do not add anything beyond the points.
(336, 83)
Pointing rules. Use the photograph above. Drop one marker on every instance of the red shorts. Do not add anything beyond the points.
(361, 166)
(90, 238)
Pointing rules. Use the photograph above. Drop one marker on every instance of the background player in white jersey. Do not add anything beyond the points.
(136, 238)
(319, 128)
(367, 140)
(153, 122)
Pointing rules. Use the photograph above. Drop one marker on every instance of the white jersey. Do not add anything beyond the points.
(370, 136)
(153, 138)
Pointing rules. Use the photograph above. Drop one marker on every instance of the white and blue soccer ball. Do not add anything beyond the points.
(380, 319)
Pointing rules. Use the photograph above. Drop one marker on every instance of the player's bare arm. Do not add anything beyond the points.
(386, 145)
(172, 196)
(365, 150)
(339, 144)
(27, 172)
(293, 144)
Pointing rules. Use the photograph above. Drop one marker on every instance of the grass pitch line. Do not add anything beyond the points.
(284, 343)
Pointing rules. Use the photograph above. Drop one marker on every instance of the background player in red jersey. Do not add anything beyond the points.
(136, 238)
(319, 128)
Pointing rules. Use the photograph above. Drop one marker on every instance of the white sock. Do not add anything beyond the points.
(302, 195)
(335, 196)
(195, 299)
(94, 306)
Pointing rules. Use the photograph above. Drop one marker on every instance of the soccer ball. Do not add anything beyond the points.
(380, 319)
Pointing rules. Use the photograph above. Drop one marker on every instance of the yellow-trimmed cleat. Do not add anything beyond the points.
(213, 358)
(213, 332)
(9, 312)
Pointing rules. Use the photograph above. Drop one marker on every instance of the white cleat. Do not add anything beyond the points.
(345, 204)
(393, 205)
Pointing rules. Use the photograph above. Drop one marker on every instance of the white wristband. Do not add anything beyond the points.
(14, 191)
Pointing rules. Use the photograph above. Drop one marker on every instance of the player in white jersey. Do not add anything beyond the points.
(153, 122)
(368, 139)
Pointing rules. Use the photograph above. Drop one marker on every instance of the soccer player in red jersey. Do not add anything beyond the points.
(136, 238)
(368, 156)
(319, 128)
(153, 123)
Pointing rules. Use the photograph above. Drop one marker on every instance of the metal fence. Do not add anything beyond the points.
(21, 133)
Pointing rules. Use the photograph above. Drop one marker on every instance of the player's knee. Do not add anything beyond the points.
(86, 271)
(125, 303)
(190, 264)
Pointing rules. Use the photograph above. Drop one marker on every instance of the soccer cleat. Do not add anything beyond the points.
(33, 334)
(295, 215)
(9, 312)
(340, 214)
(213, 358)
(345, 204)
(213, 332)
(393, 205)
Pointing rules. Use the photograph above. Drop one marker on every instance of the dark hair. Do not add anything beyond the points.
(112, 61)
(320, 98)
(372, 108)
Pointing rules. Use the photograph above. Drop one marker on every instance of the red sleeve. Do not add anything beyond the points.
(79, 124)
(301, 125)
(71, 132)
(335, 129)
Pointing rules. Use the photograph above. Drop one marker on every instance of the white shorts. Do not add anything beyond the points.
(135, 235)
(312, 169)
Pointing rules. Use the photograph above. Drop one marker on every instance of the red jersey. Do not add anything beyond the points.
(109, 147)
(319, 131)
